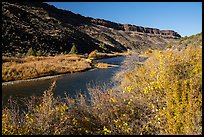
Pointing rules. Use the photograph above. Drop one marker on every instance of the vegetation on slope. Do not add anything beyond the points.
(162, 96)
(184, 42)
(170, 85)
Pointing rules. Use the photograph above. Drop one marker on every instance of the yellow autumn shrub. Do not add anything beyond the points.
(162, 96)
(171, 83)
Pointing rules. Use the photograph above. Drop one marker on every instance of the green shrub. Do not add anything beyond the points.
(73, 49)
(31, 52)
(102, 45)
(65, 52)
(39, 53)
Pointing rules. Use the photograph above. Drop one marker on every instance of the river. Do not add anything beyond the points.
(71, 83)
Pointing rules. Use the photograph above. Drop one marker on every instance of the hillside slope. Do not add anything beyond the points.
(51, 30)
(184, 42)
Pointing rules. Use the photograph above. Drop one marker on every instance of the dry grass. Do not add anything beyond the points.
(163, 96)
(33, 67)
(109, 55)
(103, 65)
(98, 55)
(14, 68)
(109, 112)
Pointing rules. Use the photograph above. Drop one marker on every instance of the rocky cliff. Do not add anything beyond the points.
(129, 27)
(46, 28)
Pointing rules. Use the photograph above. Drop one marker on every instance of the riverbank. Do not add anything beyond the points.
(24, 69)
(139, 99)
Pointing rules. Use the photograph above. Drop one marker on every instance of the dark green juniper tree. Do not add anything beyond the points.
(30, 52)
(73, 49)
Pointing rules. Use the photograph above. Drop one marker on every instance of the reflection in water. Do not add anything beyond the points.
(71, 84)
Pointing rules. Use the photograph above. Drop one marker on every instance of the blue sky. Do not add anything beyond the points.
(183, 17)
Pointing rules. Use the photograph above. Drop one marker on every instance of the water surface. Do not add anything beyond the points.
(71, 83)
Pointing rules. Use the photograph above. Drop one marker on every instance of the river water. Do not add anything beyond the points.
(72, 83)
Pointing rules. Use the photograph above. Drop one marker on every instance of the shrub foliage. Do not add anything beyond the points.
(171, 83)
(163, 96)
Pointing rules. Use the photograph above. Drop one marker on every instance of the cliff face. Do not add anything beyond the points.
(128, 27)
(154, 31)
(51, 30)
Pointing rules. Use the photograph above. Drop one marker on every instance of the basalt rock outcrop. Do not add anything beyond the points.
(46, 28)
(129, 27)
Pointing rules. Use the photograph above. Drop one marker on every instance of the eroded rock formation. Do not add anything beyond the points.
(51, 30)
